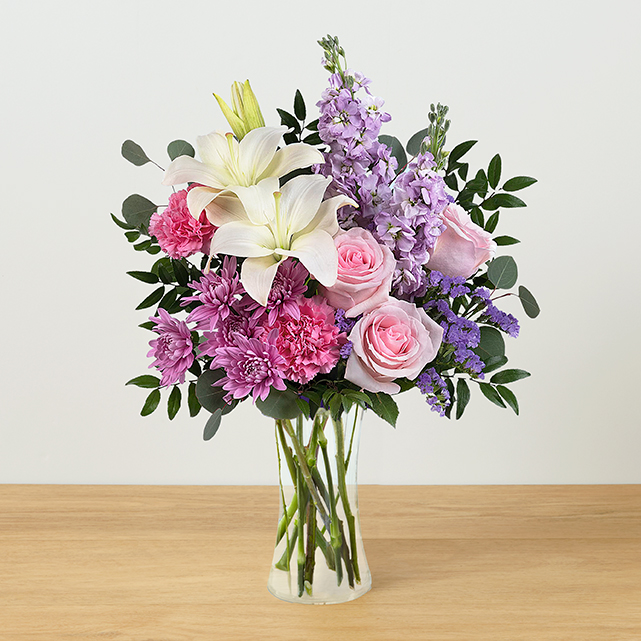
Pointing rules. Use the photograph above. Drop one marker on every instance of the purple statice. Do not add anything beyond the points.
(492, 315)
(252, 366)
(461, 333)
(346, 349)
(173, 349)
(435, 389)
(288, 285)
(344, 324)
(411, 223)
(362, 168)
(452, 286)
(218, 293)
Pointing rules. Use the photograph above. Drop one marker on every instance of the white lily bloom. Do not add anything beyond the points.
(266, 225)
(229, 163)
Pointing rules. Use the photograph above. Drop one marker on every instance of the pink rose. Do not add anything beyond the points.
(393, 341)
(463, 247)
(365, 270)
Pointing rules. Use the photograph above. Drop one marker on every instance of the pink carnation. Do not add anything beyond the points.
(179, 234)
(311, 343)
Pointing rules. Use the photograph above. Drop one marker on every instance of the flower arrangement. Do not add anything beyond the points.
(319, 266)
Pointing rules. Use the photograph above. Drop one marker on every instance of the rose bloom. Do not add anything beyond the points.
(179, 234)
(365, 270)
(463, 247)
(395, 340)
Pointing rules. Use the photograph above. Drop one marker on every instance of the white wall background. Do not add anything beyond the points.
(552, 86)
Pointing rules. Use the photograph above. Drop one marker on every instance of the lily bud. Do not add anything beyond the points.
(244, 114)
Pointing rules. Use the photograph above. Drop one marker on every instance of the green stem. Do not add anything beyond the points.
(285, 559)
(310, 560)
(342, 488)
(334, 532)
(302, 505)
(351, 440)
(327, 552)
(285, 519)
(306, 475)
(288, 513)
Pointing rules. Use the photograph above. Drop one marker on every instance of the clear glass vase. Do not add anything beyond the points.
(319, 556)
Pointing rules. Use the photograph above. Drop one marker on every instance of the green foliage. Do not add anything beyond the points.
(506, 240)
(530, 306)
(134, 153)
(501, 200)
(397, 150)
(462, 397)
(508, 397)
(212, 425)
(145, 277)
(151, 403)
(494, 171)
(494, 363)
(211, 396)
(509, 376)
(153, 298)
(491, 343)
(173, 402)
(146, 380)
(289, 121)
(137, 210)
(279, 405)
(414, 143)
(299, 106)
(458, 152)
(385, 406)
(503, 272)
(491, 394)
(192, 401)
(180, 148)
(492, 222)
(121, 223)
(520, 182)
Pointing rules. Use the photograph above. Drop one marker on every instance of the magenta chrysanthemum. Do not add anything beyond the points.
(288, 285)
(311, 343)
(227, 328)
(219, 293)
(173, 349)
(179, 234)
(251, 366)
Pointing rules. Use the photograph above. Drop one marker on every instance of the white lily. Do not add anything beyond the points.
(266, 225)
(228, 163)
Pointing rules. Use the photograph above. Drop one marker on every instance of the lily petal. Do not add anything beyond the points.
(187, 169)
(258, 200)
(213, 150)
(257, 276)
(224, 209)
(325, 218)
(198, 198)
(294, 156)
(317, 252)
(301, 200)
(257, 149)
(243, 239)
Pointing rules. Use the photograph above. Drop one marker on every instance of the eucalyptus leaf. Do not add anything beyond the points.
(509, 376)
(414, 143)
(530, 306)
(494, 171)
(151, 403)
(137, 210)
(491, 394)
(491, 343)
(134, 153)
(520, 182)
(503, 272)
(279, 405)
(146, 380)
(211, 396)
(397, 150)
(509, 398)
(212, 425)
(173, 402)
(180, 148)
(462, 397)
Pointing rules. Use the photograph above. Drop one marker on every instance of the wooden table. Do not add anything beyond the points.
(449, 563)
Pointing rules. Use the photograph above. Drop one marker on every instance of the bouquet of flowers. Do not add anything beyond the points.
(320, 268)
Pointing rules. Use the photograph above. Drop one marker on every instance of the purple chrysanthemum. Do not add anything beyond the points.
(251, 366)
(173, 349)
(288, 285)
(227, 328)
(218, 294)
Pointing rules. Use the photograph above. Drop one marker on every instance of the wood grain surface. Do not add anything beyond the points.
(177, 563)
